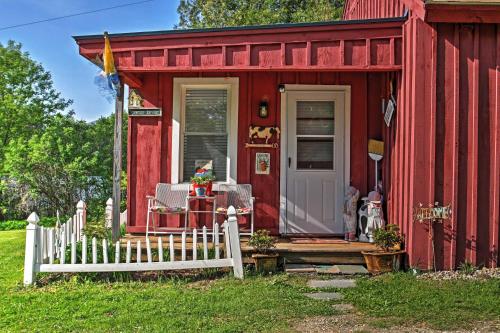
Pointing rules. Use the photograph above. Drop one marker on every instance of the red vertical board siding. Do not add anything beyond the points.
(150, 137)
(446, 145)
(474, 95)
(144, 154)
(368, 9)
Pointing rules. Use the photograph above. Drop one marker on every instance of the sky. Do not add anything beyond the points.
(51, 43)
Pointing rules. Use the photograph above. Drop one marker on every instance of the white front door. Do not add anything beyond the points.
(315, 165)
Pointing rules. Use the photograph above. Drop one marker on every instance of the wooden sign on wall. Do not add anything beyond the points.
(144, 112)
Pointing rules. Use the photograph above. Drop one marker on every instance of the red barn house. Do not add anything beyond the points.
(324, 86)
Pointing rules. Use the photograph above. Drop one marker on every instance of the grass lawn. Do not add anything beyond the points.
(402, 300)
(225, 304)
(174, 305)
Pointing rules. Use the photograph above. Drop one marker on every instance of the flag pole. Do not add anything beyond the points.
(117, 164)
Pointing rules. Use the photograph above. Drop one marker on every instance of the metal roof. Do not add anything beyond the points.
(243, 28)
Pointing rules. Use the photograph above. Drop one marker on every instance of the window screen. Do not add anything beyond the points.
(205, 131)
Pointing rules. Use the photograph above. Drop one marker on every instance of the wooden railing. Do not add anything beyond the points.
(47, 249)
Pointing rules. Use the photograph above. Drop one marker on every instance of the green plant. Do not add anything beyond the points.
(13, 225)
(387, 238)
(96, 229)
(202, 180)
(262, 241)
(467, 268)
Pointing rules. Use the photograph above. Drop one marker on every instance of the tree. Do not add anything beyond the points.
(224, 13)
(27, 96)
(69, 161)
(54, 164)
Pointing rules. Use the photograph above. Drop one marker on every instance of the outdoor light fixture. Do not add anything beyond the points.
(263, 109)
(281, 88)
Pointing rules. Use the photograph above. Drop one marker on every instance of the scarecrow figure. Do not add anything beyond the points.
(350, 204)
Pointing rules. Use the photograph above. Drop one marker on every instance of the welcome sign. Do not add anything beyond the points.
(144, 112)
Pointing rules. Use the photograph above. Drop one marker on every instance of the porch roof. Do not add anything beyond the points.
(357, 45)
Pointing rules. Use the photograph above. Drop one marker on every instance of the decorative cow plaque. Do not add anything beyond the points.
(263, 134)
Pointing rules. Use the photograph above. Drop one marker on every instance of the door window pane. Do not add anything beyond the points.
(315, 135)
(205, 131)
(315, 153)
(315, 118)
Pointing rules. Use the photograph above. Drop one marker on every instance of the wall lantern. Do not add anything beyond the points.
(281, 88)
(263, 109)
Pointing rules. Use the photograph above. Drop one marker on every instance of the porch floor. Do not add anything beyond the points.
(310, 250)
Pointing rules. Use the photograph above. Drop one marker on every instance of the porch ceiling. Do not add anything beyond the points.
(365, 45)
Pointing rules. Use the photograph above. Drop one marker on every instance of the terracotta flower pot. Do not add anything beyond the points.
(265, 263)
(200, 190)
(209, 189)
(263, 166)
(378, 262)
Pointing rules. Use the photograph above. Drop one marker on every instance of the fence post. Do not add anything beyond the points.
(234, 240)
(31, 249)
(109, 212)
(81, 212)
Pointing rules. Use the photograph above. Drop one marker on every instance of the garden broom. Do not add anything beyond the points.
(376, 152)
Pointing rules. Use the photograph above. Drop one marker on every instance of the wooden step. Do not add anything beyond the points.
(326, 253)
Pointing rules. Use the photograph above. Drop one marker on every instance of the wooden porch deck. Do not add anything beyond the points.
(310, 250)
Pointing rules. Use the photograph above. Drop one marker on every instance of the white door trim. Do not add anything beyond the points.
(284, 139)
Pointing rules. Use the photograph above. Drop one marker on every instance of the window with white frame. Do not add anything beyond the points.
(204, 127)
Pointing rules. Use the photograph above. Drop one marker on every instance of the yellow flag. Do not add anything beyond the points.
(109, 62)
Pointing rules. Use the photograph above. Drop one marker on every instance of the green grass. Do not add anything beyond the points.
(174, 305)
(90, 303)
(401, 299)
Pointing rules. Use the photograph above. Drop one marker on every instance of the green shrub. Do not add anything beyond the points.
(96, 229)
(13, 225)
(262, 242)
(387, 238)
(21, 224)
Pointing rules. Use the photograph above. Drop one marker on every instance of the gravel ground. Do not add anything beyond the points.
(354, 322)
(480, 274)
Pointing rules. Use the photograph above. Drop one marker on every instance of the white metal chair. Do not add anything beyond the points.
(168, 199)
(240, 197)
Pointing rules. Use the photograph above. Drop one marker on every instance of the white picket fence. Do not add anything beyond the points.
(46, 249)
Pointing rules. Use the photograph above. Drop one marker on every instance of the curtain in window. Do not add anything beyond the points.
(205, 131)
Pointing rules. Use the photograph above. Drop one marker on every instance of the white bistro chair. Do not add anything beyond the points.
(168, 199)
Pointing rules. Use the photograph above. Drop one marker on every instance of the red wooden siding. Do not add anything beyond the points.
(329, 47)
(149, 161)
(443, 145)
(369, 9)
(447, 140)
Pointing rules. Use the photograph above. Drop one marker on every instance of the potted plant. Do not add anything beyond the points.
(264, 259)
(200, 184)
(388, 256)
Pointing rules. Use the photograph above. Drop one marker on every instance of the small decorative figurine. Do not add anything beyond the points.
(135, 99)
(371, 216)
(350, 205)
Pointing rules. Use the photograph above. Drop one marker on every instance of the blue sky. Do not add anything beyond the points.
(51, 43)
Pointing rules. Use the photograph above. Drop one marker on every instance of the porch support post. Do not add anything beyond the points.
(117, 164)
